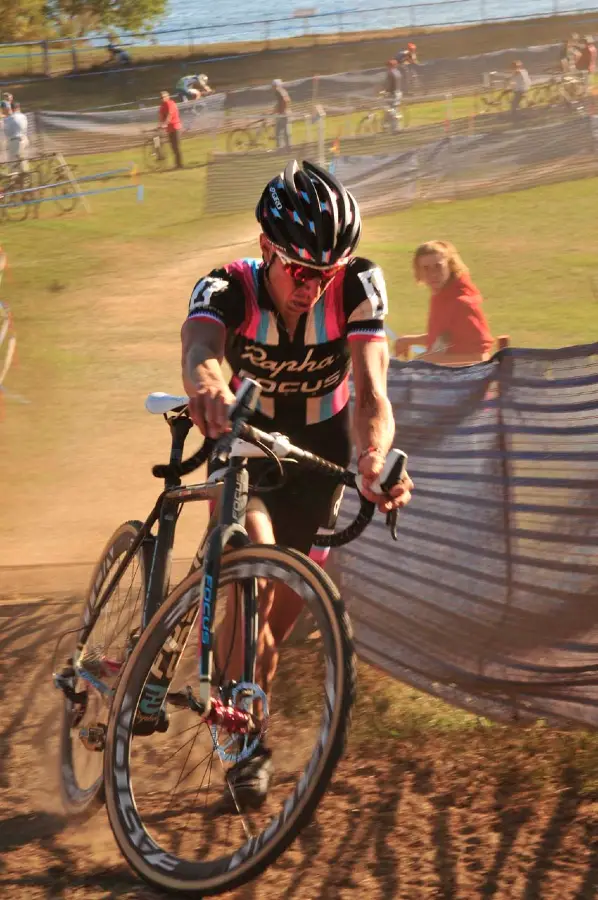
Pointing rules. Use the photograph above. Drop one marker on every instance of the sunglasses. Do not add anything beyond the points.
(302, 274)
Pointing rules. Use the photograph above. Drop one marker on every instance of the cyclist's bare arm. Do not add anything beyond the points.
(206, 386)
(373, 421)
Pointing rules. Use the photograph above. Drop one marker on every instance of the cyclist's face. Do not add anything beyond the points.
(433, 269)
(297, 297)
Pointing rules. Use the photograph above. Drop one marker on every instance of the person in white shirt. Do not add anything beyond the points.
(520, 83)
(15, 132)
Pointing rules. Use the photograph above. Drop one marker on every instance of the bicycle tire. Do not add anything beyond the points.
(158, 867)
(367, 125)
(81, 802)
(239, 141)
(153, 154)
(63, 193)
(15, 206)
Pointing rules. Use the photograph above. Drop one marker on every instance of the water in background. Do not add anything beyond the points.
(236, 22)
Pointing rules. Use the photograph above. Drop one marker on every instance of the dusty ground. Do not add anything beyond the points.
(435, 819)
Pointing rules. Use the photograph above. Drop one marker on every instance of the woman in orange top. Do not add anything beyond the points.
(458, 332)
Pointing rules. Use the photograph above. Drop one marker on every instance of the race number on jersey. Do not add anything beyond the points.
(375, 289)
(203, 291)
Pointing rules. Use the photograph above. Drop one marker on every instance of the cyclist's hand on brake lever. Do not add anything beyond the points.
(370, 466)
(209, 406)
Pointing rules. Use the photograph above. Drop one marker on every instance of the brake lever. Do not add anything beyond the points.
(391, 523)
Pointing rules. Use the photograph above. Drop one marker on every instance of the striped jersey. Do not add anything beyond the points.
(304, 379)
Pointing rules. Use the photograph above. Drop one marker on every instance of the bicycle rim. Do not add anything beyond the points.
(84, 723)
(63, 193)
(239, 141)
(174, 814)
(16, 209)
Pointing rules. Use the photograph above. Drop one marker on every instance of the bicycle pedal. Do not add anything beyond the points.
(93, 737)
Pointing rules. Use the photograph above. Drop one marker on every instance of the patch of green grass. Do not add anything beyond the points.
(528, 251)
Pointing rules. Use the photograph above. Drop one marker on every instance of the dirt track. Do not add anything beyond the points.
(441, 817)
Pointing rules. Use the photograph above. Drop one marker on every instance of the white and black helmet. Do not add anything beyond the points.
(309, 215)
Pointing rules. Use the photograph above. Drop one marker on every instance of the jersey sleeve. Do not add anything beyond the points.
(365, 301)
(218, 298)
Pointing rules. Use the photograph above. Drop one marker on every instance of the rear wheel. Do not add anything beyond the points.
(105, 650)
(369, 124)
(175, 811)
(17, 196)
(239, 141)
(64, 192)
(154, 156)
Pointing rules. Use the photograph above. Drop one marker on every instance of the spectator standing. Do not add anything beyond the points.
(282, 108)
(568, 53)
(15, 132)
(585, 61)
(9, 99)
(520, 83)
(392, 91)
(170, 122)
(458, 332)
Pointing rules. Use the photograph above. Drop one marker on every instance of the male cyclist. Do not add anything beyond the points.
(189, 87)
(296, 320)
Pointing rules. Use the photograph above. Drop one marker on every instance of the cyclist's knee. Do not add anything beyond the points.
(258, 523)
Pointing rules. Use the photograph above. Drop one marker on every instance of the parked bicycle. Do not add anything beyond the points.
(498, 94)
(387, 119)
(148, 690)
(154, 150)
(569, 88)
(17, 195)
(560, 88)
(260, 136)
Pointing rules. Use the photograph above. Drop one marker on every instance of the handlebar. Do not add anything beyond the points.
(240, 411)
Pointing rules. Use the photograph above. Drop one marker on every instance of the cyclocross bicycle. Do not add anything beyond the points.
(154, 150)
(390, 118)
(151, 690)
(259, 136)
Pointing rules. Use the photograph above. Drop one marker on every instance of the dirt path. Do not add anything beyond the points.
(89, 467)
(432, 819)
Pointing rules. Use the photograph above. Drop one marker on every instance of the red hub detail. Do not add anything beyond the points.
(235, 721)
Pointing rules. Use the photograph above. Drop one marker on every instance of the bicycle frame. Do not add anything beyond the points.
(229, 531)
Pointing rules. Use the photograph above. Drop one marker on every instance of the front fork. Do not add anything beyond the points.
(229, 531)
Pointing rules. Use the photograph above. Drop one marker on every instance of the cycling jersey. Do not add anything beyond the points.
(184, 83)
(304, 380)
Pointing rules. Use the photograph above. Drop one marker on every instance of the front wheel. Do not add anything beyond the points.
(104, 651)
(64, 191)
(239, 141)
(153, 153)
(173, 798)
(369, 124)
